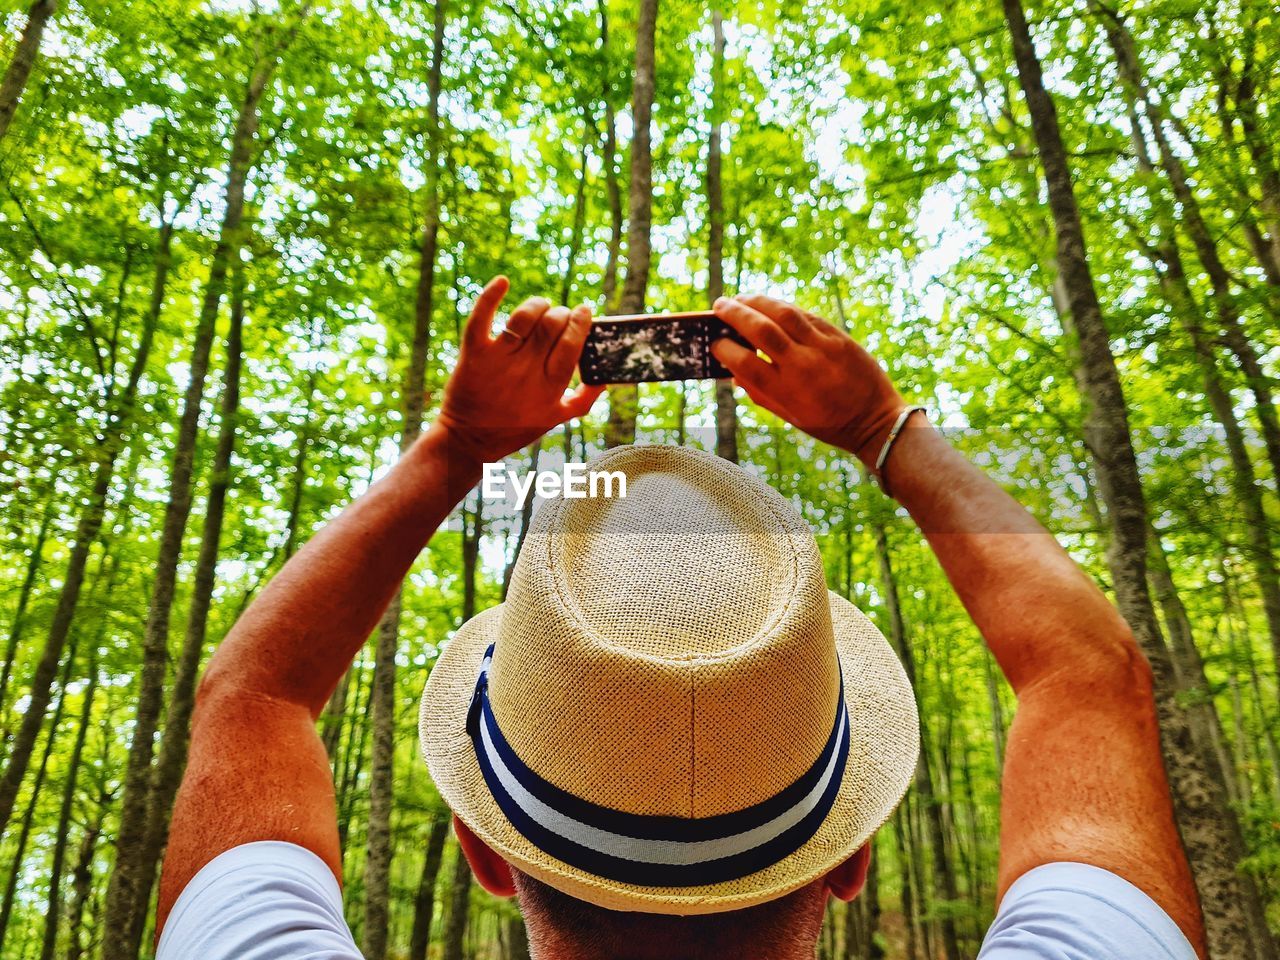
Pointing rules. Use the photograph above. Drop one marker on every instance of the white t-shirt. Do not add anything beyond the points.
(277, 901)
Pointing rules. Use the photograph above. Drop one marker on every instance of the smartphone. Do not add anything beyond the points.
(647, 348)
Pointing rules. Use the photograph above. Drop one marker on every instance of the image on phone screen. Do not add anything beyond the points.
(654, 348)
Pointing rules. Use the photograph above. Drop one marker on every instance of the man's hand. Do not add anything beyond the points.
(509, 390)
(817, 377)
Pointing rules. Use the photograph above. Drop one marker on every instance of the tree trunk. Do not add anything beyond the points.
(377, 873)
(579, 212)
(526, 515)
(28, 817)
(1213, 842)
(24, 597)
(424, 904)
(726, 405)
(83, 870)
(129, 878)
(24, 58)
(517, 938)
(624, 400)
(909, 913)
(867, 909)
(609, 284)
(331, 719)
(54, 908)
(353, 760)
(82, 883)
(944, 877)
(997, 713)
(1194, 685)
(455, 925)
(119, 418)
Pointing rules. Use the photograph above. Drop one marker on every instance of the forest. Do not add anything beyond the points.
(237, 242)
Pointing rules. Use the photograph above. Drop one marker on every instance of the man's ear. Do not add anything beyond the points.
(845, 881)
(491, 870)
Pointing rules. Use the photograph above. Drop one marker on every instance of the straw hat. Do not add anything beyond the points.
(670, 713)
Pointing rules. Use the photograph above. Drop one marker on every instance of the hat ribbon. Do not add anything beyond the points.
(646, 850)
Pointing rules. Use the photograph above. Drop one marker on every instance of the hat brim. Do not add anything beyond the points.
(884, 748)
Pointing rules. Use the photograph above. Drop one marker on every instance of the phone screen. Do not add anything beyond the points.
(646, 349)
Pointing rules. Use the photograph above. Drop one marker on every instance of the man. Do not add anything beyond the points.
(638, 811)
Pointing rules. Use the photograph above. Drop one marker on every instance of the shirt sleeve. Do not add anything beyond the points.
(1073, 911)
(269, 900)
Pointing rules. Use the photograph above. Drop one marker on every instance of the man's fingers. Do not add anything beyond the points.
(523, 319)
(546, 331)
(761, 331)
(745, 366)
(564, 355)
(579, 402)
(481, 320)
(796, 323)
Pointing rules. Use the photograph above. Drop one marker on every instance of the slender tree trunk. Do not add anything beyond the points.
(53, 911)
(354, 754)
(526, 515)
(943, 874)
(424, 903)
(907, 895)
(1213, 842)
(517, 939)
(377, 873)
(172, 760)
(624, 400)
(24, 597)
(129, 878)
(870, 902)
(298, 479)
(82, 884)
(455, 927)
(119, 418)
(579, 212)
(921, 893)
(609, 284)
(334, 712)
(726, 405)
(997, 713)
(24, 58)
(28, 817)
(1189, 668)
(84, 865)
(455, 922)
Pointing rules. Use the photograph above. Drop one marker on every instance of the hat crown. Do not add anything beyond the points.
(671, 652)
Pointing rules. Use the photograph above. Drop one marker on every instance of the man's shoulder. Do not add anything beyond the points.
(267, 900)
(1081, 912)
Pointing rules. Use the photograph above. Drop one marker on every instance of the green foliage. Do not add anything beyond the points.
(878, 167)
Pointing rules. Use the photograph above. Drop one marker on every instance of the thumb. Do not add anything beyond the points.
(579, 402)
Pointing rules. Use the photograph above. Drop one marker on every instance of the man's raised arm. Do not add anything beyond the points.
(257, 768)
(1083, 778)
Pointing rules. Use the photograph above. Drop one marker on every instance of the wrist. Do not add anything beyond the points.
(448, 447)
(894, 438)
(865, 437)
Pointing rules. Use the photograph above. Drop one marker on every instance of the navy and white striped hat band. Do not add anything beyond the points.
(657, 851)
